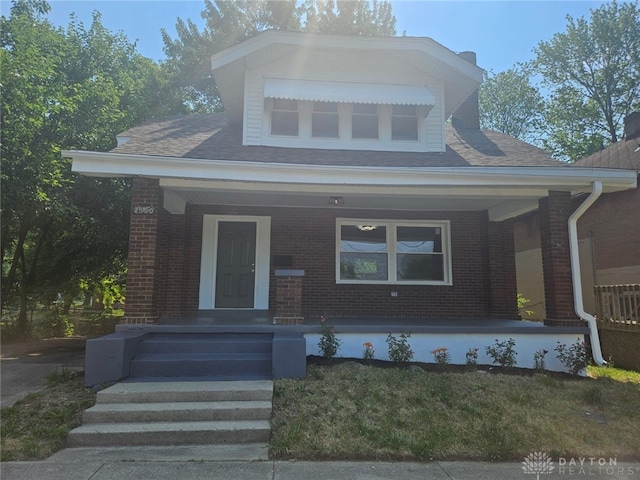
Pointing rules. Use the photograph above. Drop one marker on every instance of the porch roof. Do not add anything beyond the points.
(199, 159)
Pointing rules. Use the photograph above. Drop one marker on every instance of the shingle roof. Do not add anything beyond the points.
(622, 154)
(209, 137)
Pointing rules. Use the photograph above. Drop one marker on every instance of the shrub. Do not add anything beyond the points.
(573, 357)
(368, 350)
(503, 353)
(441, 355)
(399, 348)
(538, 360)
(471, 357)
(329, 343)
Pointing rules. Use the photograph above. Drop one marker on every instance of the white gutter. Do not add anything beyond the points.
(578, 302)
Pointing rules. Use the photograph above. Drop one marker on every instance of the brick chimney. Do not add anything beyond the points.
(632, 125)
(468, 114)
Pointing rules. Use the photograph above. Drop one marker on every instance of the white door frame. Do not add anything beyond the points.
(209, 255)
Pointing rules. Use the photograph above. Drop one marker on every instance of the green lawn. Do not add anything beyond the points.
(358, 412)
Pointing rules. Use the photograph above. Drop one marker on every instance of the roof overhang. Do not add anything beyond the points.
(505, 192)
(460, 76)
(345, 92)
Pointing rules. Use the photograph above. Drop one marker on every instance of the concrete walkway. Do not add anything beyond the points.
(283, 470)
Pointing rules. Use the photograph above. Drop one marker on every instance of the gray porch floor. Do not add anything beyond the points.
(262, 321)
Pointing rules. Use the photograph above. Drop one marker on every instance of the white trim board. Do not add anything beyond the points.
(209, 256)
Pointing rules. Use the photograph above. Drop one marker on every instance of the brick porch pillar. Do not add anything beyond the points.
(556, 261)
(142, 271)
(502, 271)
(288, 297)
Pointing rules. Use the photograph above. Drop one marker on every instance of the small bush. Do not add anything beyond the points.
(471, 357)
(573, 357)
(441, 355)
(503, 353)
(369, 352)
(538, 360)
(399, 348)
(329, 343)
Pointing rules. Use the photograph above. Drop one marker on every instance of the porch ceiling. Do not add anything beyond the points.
(380, 199)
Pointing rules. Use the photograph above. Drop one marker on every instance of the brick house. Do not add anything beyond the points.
(333, 185)
(609, 243)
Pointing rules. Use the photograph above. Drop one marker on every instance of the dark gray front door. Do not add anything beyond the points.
(236, 265)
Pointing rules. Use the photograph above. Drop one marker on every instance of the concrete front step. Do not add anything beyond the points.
(167, 392)
(177, 412)
(200, 364)
(169, 433)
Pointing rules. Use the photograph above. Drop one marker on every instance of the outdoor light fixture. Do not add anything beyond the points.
(336, 201)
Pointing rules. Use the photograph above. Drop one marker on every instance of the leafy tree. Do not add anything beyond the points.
(592, 70)
(228, 22)
(510, 104)
(72, 88)
(349, 17)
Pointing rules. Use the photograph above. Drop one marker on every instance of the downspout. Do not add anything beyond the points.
(578, 302)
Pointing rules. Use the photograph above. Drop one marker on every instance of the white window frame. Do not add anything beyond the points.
(345, 140)
(391, 238)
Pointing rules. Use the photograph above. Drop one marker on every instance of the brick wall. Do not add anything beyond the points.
(556, 262)
(309, 237)
(143, 277)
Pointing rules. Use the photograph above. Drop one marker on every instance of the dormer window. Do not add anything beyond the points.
(404, 122)
(284, 117)
(325, 121)
(345, 115)
(364, 121)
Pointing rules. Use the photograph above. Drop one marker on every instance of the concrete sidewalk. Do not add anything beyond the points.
(283, 470)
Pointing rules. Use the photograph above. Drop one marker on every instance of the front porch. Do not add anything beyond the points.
(226, 342)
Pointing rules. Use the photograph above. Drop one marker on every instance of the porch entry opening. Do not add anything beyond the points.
(236, 265)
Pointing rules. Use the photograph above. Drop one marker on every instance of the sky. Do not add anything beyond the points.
(502, 33)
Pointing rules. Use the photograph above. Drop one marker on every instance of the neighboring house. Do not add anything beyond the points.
(334, 186)
(609, 238)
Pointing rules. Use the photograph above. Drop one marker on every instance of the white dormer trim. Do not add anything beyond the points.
(348, 92)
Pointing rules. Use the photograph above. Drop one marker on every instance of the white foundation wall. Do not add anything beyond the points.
(457, 344)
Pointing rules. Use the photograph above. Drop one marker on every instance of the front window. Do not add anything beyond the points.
(284, 117)
(393, 252)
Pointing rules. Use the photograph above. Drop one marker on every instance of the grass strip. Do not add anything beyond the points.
(37, 426)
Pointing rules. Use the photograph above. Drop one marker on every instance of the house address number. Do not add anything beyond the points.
(144, 210)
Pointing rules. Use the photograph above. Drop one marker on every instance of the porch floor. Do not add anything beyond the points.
(262, 321)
